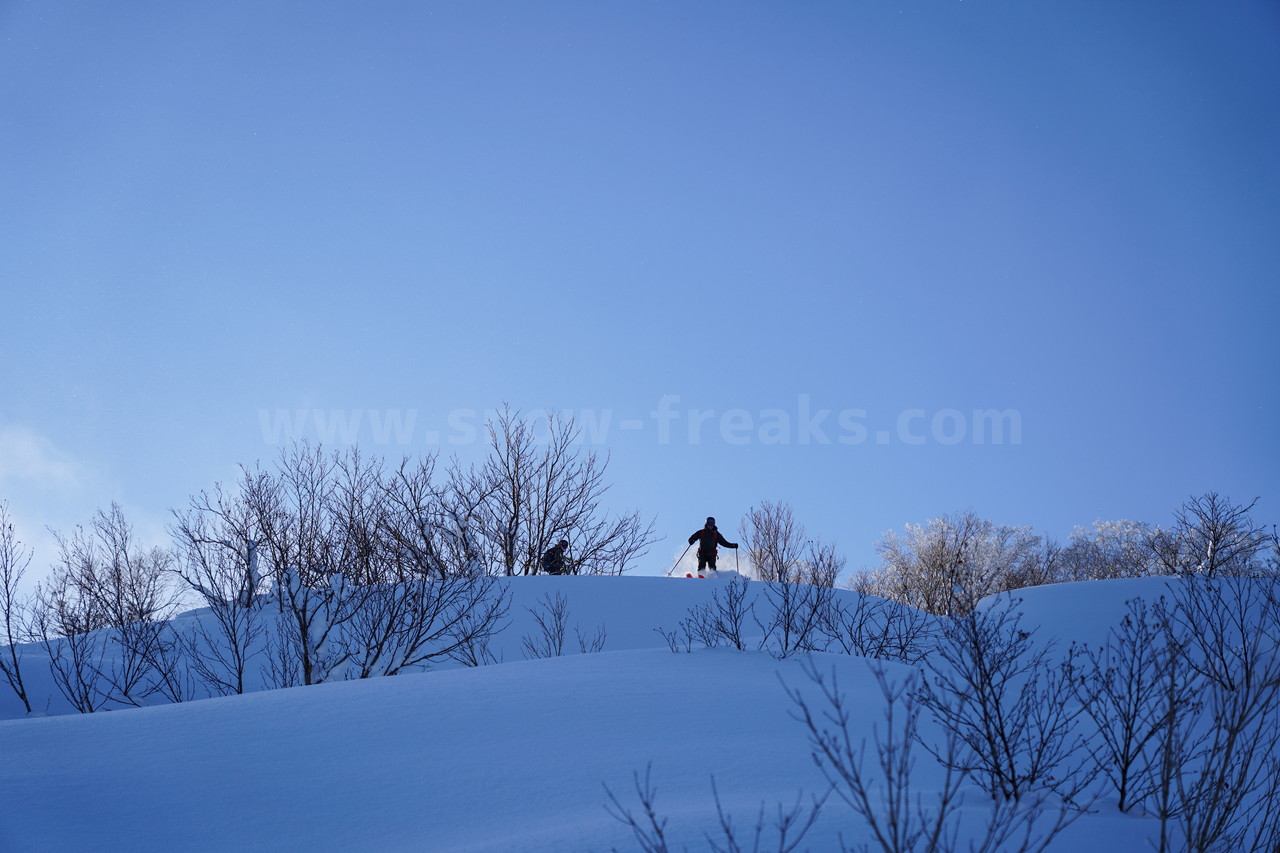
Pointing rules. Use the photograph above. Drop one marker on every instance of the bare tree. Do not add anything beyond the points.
(884, 801)
(552, 619)
(774, 542)
(650, 829)
(15, 557)
(1231, 627)
(1186, 699)
(318, 517)
(1133, 686)
(823, 565)
(1212, 536)
(174, 677)
(870, 626)
(1008, 705)
(799, 575)
(792, 617)
(115, 581)
(432, 528)
(543, 489)
(884, 797)
(1218, 798)
(219, 542)
(1212, 770)
(76, 655)
(371, 571)
(1263, 821)
(101, 616)
(412, 624)
(778, 549)
(788, 827)
(724, 617)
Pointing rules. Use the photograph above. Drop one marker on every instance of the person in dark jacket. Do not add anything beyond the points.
(707, 538)
(553, 560)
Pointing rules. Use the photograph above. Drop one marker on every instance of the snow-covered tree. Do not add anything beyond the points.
(946, 565)
(1109, 549)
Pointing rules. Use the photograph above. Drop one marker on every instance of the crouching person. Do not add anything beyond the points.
(553, 561)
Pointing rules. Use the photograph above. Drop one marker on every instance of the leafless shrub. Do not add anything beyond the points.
(174, 677)
(1212, 768)
(1185, 697)
(649, 829)
(1232, 626)
(219, 548)
(773, 541)
(590, 644)
(791, 617)
(431, 528)
(1008, 705)
(777, 549)
(874, 627)
(477, 628)
(75, 663)
(375, 571)
(1262, 823)
(885, 798)
(788, 827)
(679, 639)
(1218, 794)
(723, 618)
(15, 557)
(411, 624)
(885, 801)
(1134, 684)
(282, 667)
(100, 616)
(104, 579)
(552, 618)
(318, 517)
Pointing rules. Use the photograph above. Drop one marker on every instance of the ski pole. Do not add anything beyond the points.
(678, 559)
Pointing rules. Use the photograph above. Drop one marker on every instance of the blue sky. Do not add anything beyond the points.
(906, 214)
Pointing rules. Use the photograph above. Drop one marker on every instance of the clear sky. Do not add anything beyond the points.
(696, 225)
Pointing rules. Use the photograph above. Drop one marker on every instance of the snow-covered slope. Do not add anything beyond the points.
(508, 757)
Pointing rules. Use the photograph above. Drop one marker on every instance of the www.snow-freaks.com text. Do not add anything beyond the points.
(669, 422)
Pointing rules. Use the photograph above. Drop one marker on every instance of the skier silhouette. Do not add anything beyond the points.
(707, 538)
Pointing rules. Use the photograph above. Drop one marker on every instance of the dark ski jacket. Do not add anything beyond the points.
(710, 537)
(553, 560)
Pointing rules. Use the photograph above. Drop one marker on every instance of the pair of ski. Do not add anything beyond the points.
(691, 575)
